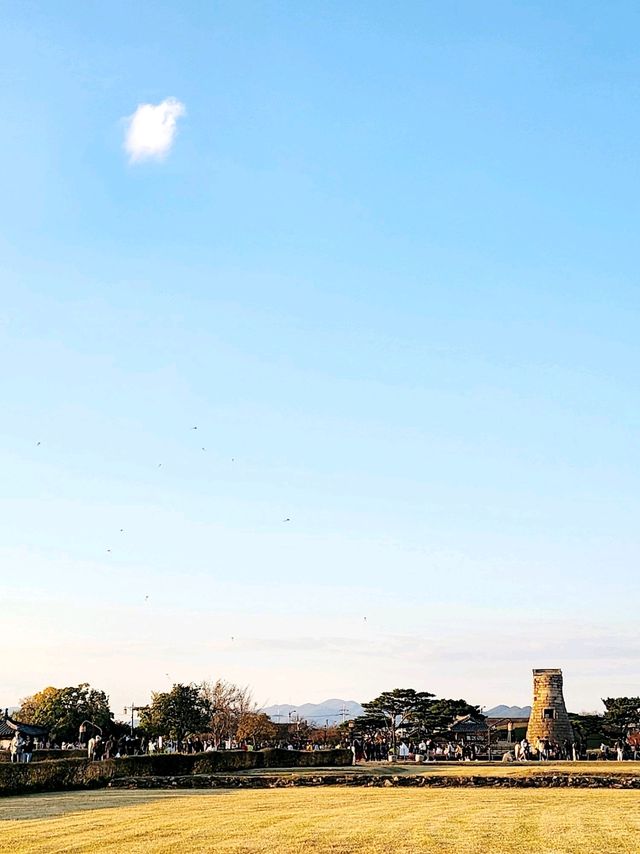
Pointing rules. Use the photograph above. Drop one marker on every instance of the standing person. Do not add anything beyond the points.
(109, 748)
(430, 748)
(97, 748)
(90, 746)
(16, 748)
(28, 749)
(122, 746)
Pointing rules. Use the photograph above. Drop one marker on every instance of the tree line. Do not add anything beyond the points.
(228, 712)
(221, 709)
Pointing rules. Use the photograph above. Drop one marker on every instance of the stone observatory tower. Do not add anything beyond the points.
(549, 718)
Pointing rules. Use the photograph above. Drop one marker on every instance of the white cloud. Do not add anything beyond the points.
(152, 129)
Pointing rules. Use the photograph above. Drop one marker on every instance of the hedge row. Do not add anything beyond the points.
(41, 755)
(62, 774)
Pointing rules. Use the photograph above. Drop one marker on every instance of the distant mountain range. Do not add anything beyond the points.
(334, 711)
(509, 712)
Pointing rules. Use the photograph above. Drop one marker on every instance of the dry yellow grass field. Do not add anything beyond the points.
(325, 821)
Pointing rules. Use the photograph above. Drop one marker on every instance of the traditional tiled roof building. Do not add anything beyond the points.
(469, 728)
(9, 727)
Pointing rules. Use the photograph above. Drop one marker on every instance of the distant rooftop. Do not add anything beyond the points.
(9, 727)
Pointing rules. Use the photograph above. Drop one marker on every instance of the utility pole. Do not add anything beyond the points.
(133, 708)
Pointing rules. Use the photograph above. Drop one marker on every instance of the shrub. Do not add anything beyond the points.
(277, 757)
(51, 775)
(40, 755)
(154, 765)
(61, 774)
(227, 760)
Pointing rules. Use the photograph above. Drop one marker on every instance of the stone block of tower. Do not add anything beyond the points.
(549, 718)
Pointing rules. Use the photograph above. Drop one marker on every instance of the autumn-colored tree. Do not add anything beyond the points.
(257, 728)
(326, 735)
(63, 710)
(228, 704)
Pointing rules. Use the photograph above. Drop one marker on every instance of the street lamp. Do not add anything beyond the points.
(293, 714)
(83, 728)
(489, 728)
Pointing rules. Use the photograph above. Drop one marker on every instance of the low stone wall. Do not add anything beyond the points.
(268, 781)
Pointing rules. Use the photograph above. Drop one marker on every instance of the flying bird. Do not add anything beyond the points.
(38, 443)
(194, 428)
(287, 519)
(204, 449)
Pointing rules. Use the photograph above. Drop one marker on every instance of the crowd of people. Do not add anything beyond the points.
(378, 749)
(113, 748)
(365, 748)
(621, 750)
(99, 748)
(545, 749)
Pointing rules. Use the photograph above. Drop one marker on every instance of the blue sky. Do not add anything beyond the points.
(388, 269)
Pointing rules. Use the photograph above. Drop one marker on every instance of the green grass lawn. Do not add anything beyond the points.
(325, 821)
